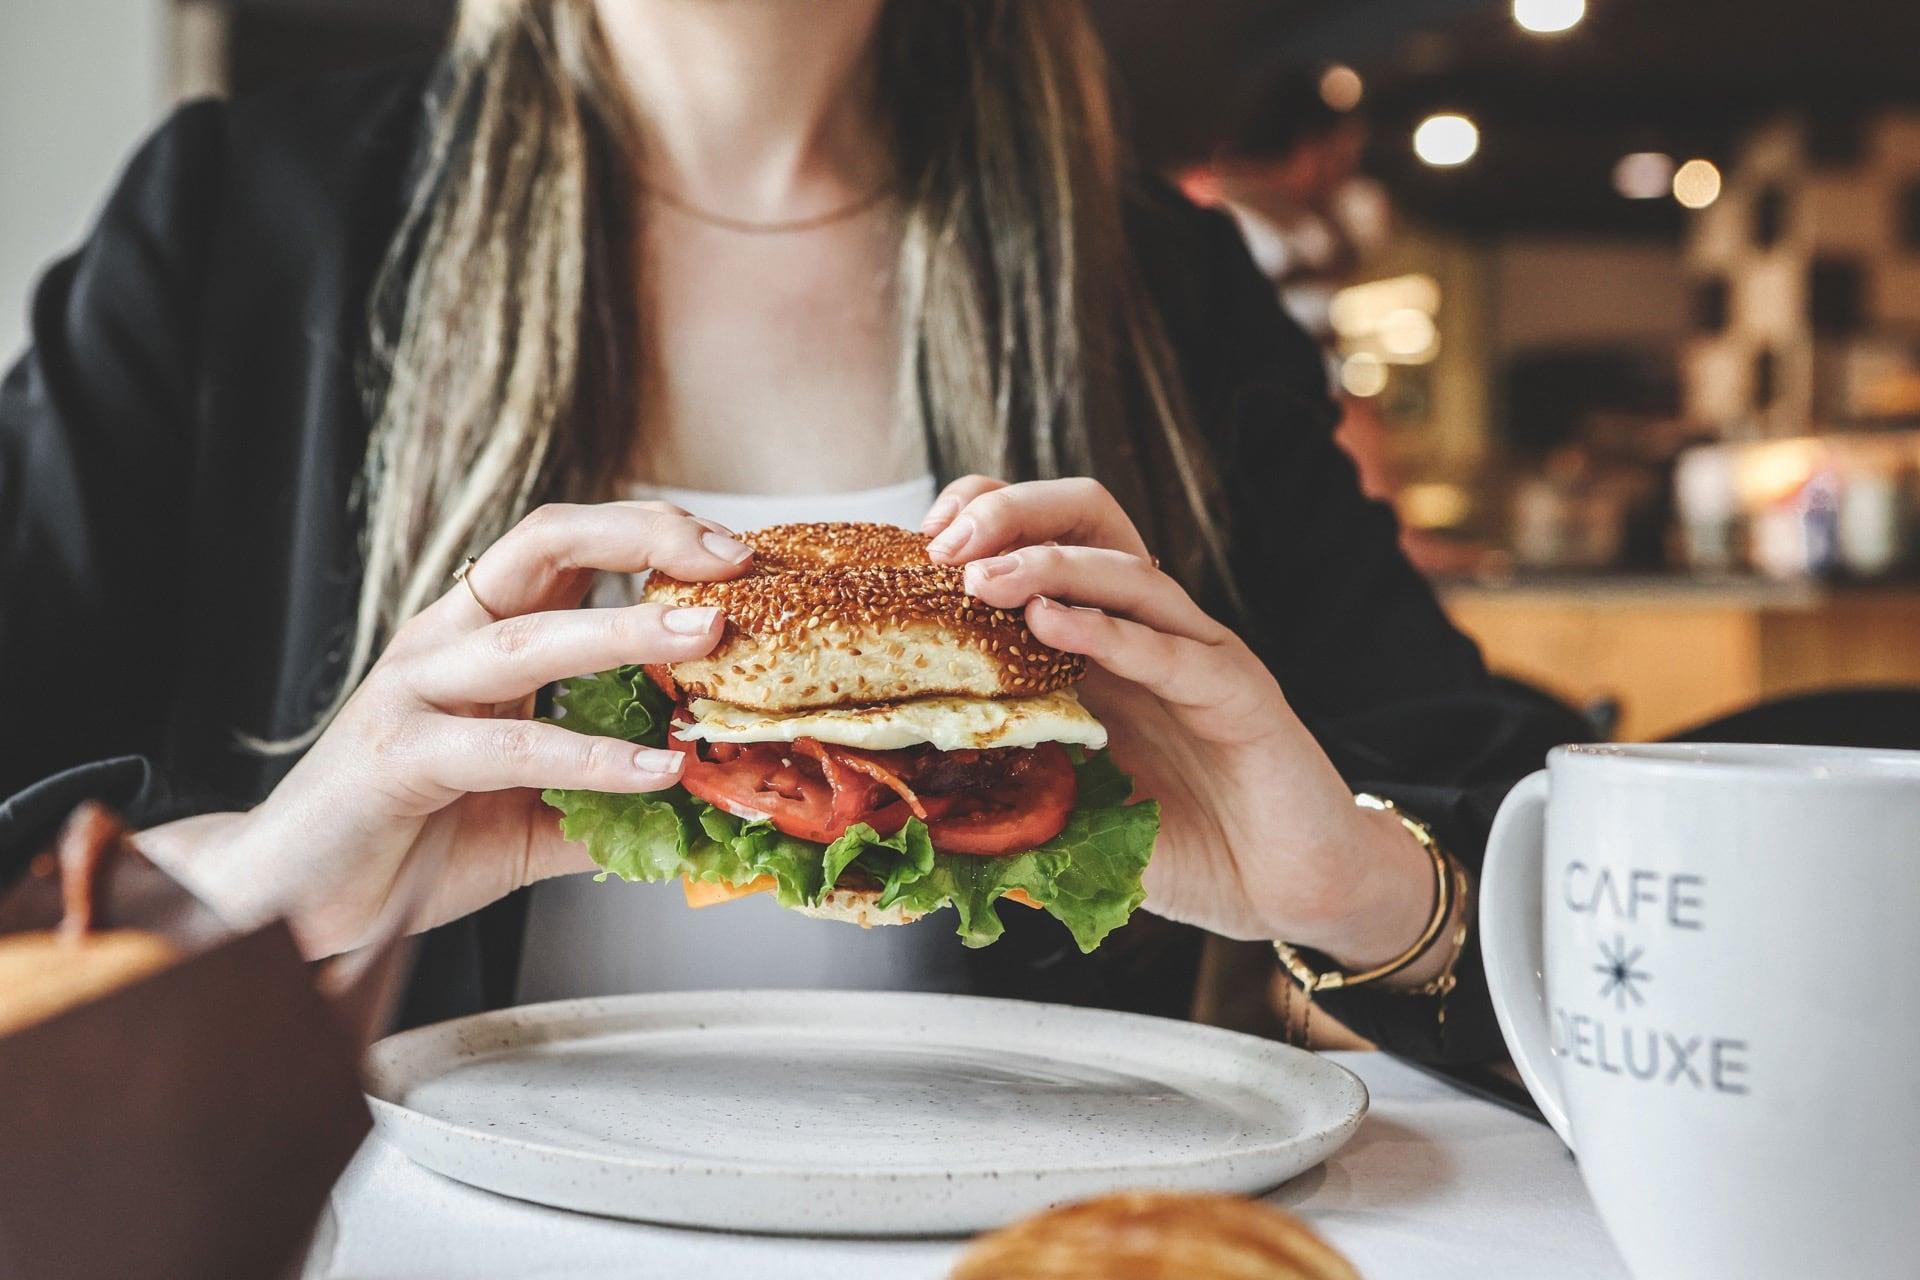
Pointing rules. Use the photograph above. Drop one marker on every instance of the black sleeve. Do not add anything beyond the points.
(96, 476)
(1395, 694)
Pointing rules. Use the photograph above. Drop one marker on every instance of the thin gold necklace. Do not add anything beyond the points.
(749, 227)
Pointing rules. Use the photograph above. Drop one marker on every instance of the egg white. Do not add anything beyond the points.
(946, 724)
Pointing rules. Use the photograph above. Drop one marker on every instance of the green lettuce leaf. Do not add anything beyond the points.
(1087, 877)
(621, 703)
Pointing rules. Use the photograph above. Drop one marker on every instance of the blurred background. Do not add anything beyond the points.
(1622, 296)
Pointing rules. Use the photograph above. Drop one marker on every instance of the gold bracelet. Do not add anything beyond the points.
(1442, 984)
(1449, 888)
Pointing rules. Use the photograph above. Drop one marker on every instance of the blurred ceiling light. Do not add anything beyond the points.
(1359, 310)
(1696, 184)
(1643, 175)
(1549, 17)
(1363, 375)
(1408, 336)
(1341, 87)
(1446, 140)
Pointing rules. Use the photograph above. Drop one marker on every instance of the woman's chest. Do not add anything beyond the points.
(771, 364)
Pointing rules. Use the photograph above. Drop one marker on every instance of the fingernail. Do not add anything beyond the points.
(714, 525)
(648, 760)
(732, 550)
(992, 567)
(1043, 602)
(958, 534)
(689, 622)
(940, 512)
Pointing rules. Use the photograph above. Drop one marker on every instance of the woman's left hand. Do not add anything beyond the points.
(1260, 837)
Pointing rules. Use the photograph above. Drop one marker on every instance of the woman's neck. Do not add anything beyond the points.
(759, 109)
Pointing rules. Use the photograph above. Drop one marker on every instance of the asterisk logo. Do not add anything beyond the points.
(1620, 968)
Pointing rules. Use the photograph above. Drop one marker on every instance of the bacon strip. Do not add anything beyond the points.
(864, 763)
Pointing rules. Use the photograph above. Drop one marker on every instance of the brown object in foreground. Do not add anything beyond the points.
(43, 973)
(1155, 1235)
(174, 1100)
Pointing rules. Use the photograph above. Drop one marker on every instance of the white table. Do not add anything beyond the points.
(1437, 1183)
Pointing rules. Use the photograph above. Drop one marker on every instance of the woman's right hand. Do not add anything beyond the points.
(423, 794)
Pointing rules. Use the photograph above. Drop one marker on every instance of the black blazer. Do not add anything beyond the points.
(178, 552)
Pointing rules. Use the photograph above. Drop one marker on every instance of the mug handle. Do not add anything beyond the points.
(1511, 920)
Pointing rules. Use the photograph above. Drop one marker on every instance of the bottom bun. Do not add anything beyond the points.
(858, 906)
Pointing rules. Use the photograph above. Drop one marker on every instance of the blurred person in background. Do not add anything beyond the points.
(1313, 221)
(607, 282)
(1292, 181)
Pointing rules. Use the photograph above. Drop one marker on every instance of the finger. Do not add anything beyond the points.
(1021, 515)
(668, 508)
(493, 755)
(541, 563)
(953, 497)
(507, 660)
(1182, 671)
(1112, 581)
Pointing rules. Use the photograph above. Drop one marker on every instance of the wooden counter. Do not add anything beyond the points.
(1675, 652)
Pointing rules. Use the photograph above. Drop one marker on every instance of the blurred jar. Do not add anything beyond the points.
(1707, 499)
(1568, 516)
(1872, 524)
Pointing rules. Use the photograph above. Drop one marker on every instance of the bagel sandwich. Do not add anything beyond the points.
(868, 743)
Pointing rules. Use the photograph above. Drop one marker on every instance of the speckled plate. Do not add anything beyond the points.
(849, 1113)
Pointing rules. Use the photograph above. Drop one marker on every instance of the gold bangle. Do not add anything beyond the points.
(1442, 985)
(1447, 883)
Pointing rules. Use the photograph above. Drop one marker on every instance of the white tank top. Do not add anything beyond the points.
(591, 939)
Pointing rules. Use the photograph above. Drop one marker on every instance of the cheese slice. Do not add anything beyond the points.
(946, 724)
(711, 893)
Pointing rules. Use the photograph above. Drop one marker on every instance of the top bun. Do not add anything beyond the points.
(1148, 1235)
(841, 614)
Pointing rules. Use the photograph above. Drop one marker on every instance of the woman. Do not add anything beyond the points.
(324, 346)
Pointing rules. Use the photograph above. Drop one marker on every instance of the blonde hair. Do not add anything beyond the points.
(507, 298)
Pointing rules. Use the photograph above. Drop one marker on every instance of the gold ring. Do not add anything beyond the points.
(461, 575)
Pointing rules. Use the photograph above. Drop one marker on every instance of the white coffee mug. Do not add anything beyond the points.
(1706, 962)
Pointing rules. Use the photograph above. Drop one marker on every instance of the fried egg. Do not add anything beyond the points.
(946, 724)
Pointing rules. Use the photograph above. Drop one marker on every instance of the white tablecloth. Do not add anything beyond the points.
(1436, 1184)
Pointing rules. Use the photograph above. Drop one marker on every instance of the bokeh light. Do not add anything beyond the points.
(1643, 175)
(1363, 374)
(1549, 17)
(1409, 335)
(1341, 87)
(1696, 184)
(1446, 140)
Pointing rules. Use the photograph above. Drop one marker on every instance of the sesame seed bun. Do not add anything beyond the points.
(858, 906)
(842, 614)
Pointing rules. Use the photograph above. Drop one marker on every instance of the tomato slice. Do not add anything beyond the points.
(986, 803)
(762, 780)
(1027, 807)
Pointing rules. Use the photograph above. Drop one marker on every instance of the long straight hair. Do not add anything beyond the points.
(505, 315)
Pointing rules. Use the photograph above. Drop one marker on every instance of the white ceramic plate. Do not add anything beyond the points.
(849, 1113)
